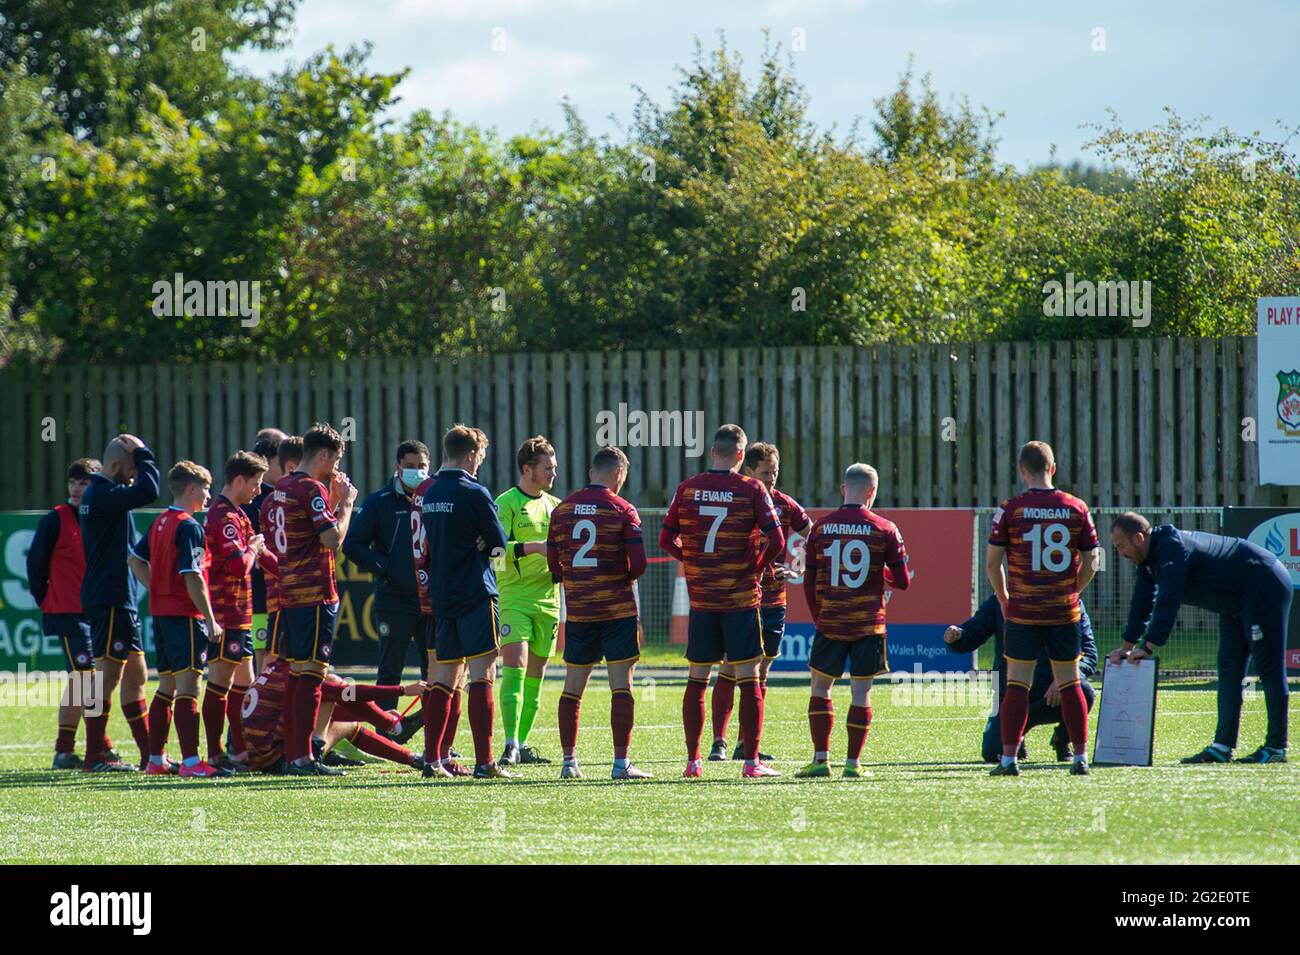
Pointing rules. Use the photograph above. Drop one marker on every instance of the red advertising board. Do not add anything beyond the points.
(940, 547)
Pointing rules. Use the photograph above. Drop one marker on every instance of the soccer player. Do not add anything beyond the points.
(55, 566)
(376, 542)
(415, 720)
(173, 561)
(463, 536)
(1048, 542)
(710, 527)
(594, 545)
(235, 550)
(530, 600)
(1245, 585)
(344, 706)
(289, 455)
(266, 446)
(109, 594)
(850, 555)
(308, 519)
(1044, 694)
(763, 463)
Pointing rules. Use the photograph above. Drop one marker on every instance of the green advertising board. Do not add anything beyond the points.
(22, 640)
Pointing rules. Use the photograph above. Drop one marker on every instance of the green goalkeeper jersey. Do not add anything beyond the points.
(525, 582)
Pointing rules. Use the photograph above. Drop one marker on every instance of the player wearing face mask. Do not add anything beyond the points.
(379, 541)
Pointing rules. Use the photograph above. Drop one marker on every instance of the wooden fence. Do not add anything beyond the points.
(1133, 423)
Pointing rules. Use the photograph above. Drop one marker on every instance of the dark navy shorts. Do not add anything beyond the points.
(115, 632)
(716, 635)
(587, 643)
(309, 633)
(1025, 642)
(772, 621)
(73, 631)
(235, 647)
(472, 634)
(274, 633)
(865, 657)
(180, 644)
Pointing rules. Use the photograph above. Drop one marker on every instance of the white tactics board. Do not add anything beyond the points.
(1126, 722)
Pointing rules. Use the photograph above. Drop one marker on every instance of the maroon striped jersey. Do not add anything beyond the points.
(299, 512)
(420, 546)
(228, 531)
(793, 518)
(272, 577)
(846, 554)
(263, 709)
(715, 515)
(1044, 530)
(590, 531)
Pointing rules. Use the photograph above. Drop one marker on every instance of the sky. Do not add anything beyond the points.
(1050, 66)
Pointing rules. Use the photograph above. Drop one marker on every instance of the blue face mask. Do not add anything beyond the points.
(413, 477)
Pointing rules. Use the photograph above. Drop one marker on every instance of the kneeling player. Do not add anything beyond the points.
(173, 561)
(595, 548)
(851, 555)
(344, 708)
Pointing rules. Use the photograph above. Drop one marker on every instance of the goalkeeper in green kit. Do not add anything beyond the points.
(530, 600)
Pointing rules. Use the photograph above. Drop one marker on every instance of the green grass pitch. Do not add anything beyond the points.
(928, 800)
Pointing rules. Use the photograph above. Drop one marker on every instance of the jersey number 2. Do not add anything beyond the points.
(586, 530)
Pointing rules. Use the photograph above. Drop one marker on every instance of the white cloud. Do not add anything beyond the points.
(490, 80)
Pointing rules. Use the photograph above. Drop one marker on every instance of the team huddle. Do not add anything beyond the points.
(249, 598)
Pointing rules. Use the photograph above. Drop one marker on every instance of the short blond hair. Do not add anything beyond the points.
(861, 475)
(185, 473)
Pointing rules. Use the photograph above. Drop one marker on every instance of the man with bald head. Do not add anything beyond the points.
(109, 593)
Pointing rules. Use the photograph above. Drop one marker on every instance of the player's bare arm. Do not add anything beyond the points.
(1089, 564)
(198, 591)
(140, 568)
(996, 573)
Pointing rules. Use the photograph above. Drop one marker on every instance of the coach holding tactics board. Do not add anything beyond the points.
(1245, 585)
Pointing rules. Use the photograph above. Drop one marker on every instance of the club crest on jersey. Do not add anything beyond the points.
(1288, 403)
(318, 504)
(325, 650)
(233, 646)
(119, 646)
(230, 532)
(203, 656)
(83, 658)
(505, 630)
(383, 629)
